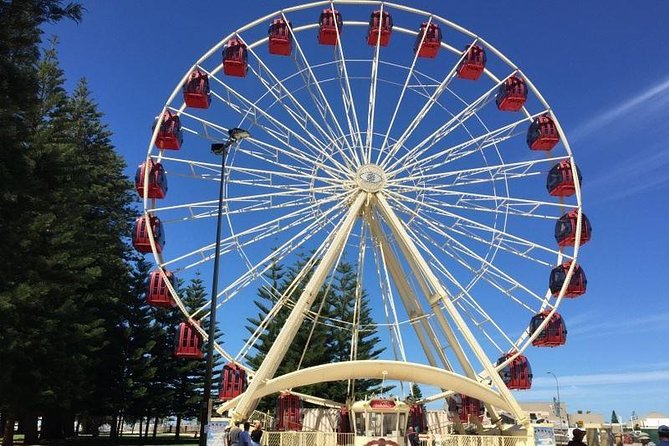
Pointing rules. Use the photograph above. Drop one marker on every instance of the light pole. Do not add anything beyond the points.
(234, 135)
(557, 384)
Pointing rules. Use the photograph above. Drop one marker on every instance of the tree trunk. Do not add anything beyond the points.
(8, 432)
(30, 429)
(155, 427)
(76, 427)
(121, 424)
(67, 423)
(178, 427)
(113, 433)
(146, 427)
(141, 426)
(52, 426)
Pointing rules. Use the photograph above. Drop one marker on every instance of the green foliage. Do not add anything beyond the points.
(614, 417)
(315, 343)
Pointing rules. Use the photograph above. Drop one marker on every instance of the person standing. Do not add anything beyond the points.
(663, 433)
(412, 437)
(577, 439)
(233, 435)
(256, 433)
(245, 437)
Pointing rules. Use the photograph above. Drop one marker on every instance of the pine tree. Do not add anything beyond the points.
(343, 307)
(189, 383)
(334, 343)
(614, 417)
(416, 393)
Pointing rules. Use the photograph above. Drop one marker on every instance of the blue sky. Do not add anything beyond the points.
(605, 71)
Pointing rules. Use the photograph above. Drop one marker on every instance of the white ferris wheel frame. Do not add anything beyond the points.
(440, 298)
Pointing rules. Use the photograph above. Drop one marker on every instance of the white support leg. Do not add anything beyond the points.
(408, 297)
(415, 258)
(283, 341)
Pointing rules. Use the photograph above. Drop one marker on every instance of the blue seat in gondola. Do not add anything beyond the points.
(512, 94)
(428, 46)
(560, 179)
(196, 90)
(565, 229)
(169, 135)
(517, 374)
(379, 24)
(157, 181)
(280, 38)
(542, 133)
(553, 334)
(140, 234)
(330, 27)
(235, 58)
(473, 63)
(577, 285)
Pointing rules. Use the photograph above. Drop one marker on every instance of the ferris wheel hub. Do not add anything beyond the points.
(370, 178)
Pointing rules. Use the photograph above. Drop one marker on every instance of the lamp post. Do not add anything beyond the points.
(557, 384)
(234, 136)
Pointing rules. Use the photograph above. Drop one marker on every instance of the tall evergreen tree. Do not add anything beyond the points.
(343, 307)
(189, 374)
(20, 36)
(61, 289)
(320, 343)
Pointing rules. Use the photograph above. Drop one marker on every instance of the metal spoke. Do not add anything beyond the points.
(401, 98)
(319, 98)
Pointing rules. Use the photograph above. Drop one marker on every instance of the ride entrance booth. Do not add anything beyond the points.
(380, 421)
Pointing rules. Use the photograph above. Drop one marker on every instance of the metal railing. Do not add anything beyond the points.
(301, 438)
(306, 439)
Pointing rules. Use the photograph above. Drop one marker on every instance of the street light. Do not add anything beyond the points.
(235, 135)
(557, 384)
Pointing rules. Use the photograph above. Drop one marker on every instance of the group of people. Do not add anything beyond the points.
(241, 434)
(662, 433)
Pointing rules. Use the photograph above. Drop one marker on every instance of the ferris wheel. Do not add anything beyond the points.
(388, 137)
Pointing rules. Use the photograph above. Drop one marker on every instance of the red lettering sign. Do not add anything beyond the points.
(382, 404)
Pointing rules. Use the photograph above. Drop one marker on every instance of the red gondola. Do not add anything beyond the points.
(560, 179)
(517, 374)
(331, 25)
(140, 234)
(577, 284)
(288, 417)
(187, 342)
(468, 409)
(196, 90)
(235, 58)
(431, 43)
(280, 39)
(157, 180)
(344, 425)
(473, 63)
(417, 417)
(512, 94)
(542, 134)
(379, 25)
(565, 229)
(554, 333)
(159, 294)
(169, 136)
(233, 382)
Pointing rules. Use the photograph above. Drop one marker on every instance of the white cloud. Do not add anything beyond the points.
(634, 109)
(604, 379)
(632, 175)
(618, 326)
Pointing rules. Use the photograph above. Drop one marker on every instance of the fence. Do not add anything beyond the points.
(301, 438)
